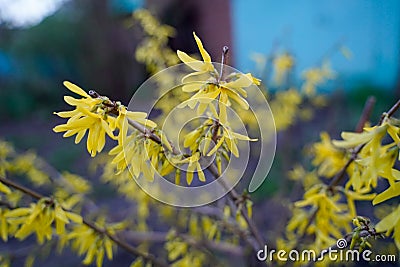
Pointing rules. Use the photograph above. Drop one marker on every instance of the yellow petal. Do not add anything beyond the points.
(192, 87)
(189, 173)
(238, 99)
(242, 82)
(76, 89)
(220, 142)
(206, 57)
(389, 221)
(200, 172)
(392, 191)
(242, 137)
(194, 64)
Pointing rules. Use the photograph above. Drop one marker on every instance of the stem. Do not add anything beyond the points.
(390, 112)
(116, 240)
(225, 50)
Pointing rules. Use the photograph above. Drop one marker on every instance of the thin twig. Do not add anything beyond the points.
(116, 240)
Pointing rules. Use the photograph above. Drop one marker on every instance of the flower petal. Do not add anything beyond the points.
(76, 89)
(206, 57)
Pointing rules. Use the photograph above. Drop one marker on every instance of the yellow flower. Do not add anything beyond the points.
(328, 158)
(194, 164)
(232, 88)
(82, 119)
(93, 115)
(39, 217)
(121, 122)
(87, 241)
(351, 140)
(282, 65)
(212, 88)
(391, 223)
(198, 66)
(315, 77)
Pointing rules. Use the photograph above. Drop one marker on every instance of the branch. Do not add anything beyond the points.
(130, 249)
(233, 194)
(341, 174)
(366, 113)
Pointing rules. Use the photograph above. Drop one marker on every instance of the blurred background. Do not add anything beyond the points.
(92, 43)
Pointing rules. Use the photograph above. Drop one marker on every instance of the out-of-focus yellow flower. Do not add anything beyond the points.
(328, 158)
(285, 107)
(314, 77)
(193, 165)
(333, 218)
(282, 63)
(85, 119)
(391, 224)
(96, 116)
(39, 217)
(95, 245)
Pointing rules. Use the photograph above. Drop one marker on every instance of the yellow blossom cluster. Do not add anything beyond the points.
(326, 211)
(153, 50)
(282, 64)
(316, 76)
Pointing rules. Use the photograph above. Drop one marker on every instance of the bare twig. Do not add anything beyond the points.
(366, 113)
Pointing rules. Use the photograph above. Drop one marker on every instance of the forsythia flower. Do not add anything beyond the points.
(39, 217)
(85, 118)
(198, 66)
(95, 245)
(94, 115)
(285, 108)
(316, 76)
(327, 157)
(213, 89)
(391, 223)
(193, 162)
(333, 216)
(282, 65)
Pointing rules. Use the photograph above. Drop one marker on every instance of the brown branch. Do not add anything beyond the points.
(366, 113)
(390, 113)
(116, 240)
(22, 188)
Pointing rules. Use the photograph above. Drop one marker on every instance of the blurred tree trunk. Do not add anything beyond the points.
(210, 19)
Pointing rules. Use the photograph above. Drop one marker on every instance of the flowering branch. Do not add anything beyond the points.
(338, 178)
(91, 225)
(233, 194)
